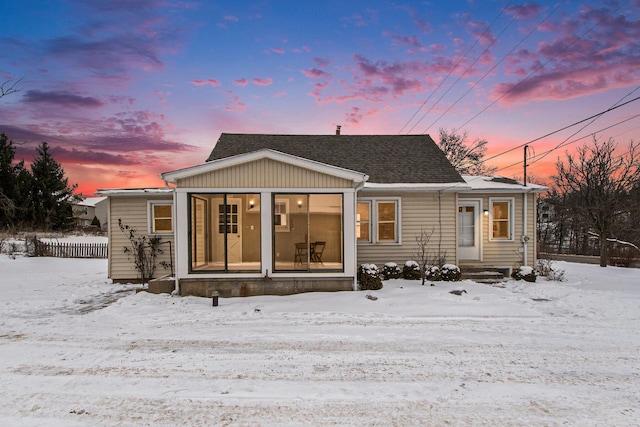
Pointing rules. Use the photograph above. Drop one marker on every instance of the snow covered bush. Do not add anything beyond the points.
(525, 273)
(411, 271)
(390, 271)
(432, 273)
(544, 268)
(450, 273)
(369, 277)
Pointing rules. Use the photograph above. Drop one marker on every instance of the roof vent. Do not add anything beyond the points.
(338, 129)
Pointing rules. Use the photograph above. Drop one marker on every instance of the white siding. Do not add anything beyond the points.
(134, 213)
(418, 211)
(264, 173)
(508, 253)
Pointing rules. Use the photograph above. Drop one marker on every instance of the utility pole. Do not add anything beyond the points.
(525, 165)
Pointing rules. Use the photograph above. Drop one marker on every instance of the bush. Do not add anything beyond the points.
(390, 271)
(450, 273)
(432, 273)
(411, 271)
(544, 268)
(525, 273)
(369, 277)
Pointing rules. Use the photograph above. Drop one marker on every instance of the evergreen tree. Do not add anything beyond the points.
(25, 217)
(52, 195)
(8, 191)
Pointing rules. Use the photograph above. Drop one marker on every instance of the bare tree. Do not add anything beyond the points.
(426, 258)
(9, 86)
(468, 159)
(598, 184)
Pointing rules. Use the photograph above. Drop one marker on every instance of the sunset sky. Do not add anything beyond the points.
(124, 90)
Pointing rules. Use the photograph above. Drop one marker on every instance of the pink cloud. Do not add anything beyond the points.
(278, 50)
(315, 73)
(280, 94)
(403, 40)
(212, 82)
(575, 62)
(235, 105)
(231, 18)
(523, 11)
(262, 82)
(241, 82)
(321, 62)
(356, 115)
(62, 99)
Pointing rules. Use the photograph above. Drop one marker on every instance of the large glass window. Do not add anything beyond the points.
(501, 219)
(225, 232)
(307, 232)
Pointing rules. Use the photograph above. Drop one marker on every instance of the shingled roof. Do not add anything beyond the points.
(387, 159)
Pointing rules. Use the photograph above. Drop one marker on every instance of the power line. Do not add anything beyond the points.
(563, 143)
(453, 69)
(495, 65)
(564, 128)
(542, 66)
(467, 69)
(570, 142)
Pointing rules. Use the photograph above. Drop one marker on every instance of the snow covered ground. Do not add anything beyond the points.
(76, 350)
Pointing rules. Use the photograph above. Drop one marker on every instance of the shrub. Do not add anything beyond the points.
(450, 273)
(390, 271)
(411, 271)
(432, 273)
(544, 268)
(369, 277)
(525, 273)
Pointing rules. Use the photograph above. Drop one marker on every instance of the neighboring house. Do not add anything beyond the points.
(280, 214)
(91, 207)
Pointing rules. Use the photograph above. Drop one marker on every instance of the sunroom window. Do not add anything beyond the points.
(225, 232)
(312, 238)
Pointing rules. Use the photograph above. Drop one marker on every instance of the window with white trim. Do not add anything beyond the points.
(161, 217)
(501, 210)
(363, 222)
(377, 221)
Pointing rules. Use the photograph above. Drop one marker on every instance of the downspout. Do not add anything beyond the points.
(176, 284)
(355, 238)
(525, 237)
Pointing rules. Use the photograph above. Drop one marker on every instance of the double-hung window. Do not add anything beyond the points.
(501, 218)
(377, 221)
(161, 217)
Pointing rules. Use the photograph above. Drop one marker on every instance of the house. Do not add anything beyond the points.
(90, 208)
(281, 214)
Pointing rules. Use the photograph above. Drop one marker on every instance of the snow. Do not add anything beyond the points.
(77, 350)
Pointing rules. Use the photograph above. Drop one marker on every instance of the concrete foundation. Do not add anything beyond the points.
(261, 286)
(163, 285)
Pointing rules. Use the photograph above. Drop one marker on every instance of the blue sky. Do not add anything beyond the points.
(124, 90)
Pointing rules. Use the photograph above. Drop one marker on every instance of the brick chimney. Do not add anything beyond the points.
(338, 129)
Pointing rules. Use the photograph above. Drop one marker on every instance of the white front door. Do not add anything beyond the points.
(469, 230)
(233, 229)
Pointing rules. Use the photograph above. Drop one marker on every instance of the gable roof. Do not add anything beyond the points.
(264, 153)
(385, 158)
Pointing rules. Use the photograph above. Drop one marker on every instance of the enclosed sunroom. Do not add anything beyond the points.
(264, 222)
